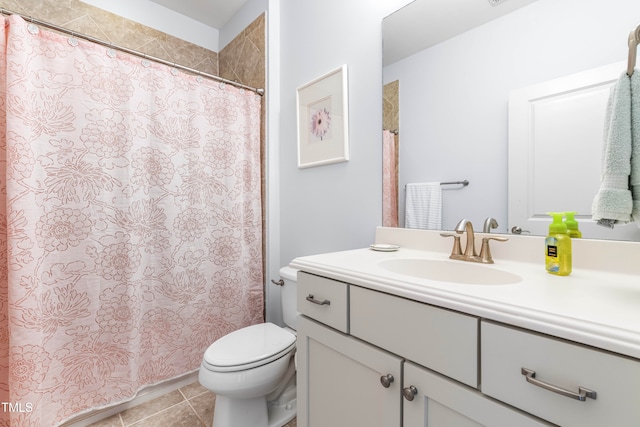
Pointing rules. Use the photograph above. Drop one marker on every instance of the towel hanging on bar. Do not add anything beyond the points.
(634, 41)
(423, 206)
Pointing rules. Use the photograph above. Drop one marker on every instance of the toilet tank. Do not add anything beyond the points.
(288, 296)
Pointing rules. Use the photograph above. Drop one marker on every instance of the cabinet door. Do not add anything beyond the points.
(440, 402)
(339, 380)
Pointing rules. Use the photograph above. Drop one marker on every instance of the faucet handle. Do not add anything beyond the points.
(485, 251)
(456, 250)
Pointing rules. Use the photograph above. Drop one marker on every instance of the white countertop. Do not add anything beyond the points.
(593, 306)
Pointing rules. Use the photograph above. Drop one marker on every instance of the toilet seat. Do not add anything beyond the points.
(248, 348)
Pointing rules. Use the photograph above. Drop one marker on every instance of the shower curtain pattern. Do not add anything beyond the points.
(389, 179)
(131, 237)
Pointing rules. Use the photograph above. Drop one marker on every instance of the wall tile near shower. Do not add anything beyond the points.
(391, 106)
(243, 59)
(95, 22)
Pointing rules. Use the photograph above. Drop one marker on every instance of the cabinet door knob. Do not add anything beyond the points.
(409, 392)
(386, 380)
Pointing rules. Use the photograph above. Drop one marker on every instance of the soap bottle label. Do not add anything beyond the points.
(558, 255)
(552, 262)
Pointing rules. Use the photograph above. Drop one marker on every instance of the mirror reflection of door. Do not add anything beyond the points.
(390, 148)
(555, 151)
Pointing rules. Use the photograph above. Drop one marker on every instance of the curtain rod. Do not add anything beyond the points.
(259, 91)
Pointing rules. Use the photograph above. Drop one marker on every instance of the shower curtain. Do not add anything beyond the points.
(389, 179)
(130, 223)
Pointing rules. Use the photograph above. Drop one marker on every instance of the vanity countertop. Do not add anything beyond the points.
(597, 305)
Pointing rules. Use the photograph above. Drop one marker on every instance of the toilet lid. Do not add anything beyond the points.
(249, 345)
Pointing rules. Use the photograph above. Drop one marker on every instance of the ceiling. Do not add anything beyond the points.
(214, 13)
(422, 23)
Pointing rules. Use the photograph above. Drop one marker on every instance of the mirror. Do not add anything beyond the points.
(455, 72)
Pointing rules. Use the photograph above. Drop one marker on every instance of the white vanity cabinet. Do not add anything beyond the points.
(378, 368)
(543, 351)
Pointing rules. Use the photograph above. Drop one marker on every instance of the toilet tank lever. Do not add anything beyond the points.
(278, 283)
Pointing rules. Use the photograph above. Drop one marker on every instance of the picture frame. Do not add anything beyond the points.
(323, 120)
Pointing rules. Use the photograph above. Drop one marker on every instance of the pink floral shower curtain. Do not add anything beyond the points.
(389, 179)
(130, 223)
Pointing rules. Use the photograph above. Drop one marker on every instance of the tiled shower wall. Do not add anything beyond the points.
(241, 60)
(244, 58)
(391, 106)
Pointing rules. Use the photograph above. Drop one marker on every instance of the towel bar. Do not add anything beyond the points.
(463, 183)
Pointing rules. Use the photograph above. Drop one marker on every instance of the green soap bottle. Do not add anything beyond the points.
(572, 225)
(558, 247)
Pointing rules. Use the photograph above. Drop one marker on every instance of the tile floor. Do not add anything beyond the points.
(189, 406)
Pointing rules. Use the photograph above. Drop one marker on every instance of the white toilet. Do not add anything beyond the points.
(252, 370)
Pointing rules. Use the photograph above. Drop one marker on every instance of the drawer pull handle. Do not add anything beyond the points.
(310, 298)
(386, 380)
(581, 395)
(409, 392)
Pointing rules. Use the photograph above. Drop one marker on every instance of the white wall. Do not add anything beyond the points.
(338, 206)
(241, 20)
(272, 200)
(454, 96)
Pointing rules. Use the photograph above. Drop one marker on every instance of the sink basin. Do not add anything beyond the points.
(450, 271)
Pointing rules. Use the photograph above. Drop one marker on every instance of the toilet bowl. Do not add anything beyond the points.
(252, 370)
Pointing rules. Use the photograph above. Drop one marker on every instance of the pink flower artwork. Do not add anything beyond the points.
(320, 120)
(131, 223)
(320, 123)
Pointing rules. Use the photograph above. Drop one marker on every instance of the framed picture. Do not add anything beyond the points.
(323, 125)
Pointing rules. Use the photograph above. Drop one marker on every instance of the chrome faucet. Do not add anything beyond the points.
(489, 223)
(470, 253)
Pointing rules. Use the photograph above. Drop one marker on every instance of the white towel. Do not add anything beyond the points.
(613, 203)
(423, 206)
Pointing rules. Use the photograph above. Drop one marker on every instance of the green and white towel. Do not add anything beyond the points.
(618, 199)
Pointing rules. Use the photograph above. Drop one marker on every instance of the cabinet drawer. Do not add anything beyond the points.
(506, 351)
(324, 300)
(441, 340)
